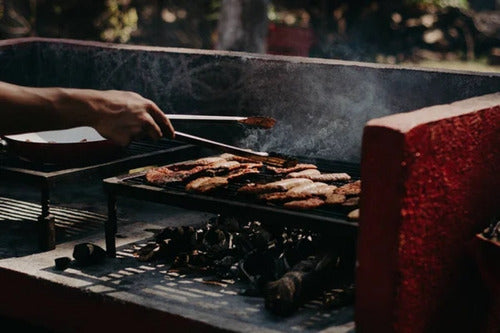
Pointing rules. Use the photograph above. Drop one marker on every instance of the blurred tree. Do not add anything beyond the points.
(243, 25)
(13, 22)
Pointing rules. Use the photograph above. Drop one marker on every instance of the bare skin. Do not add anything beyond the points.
(120, 116)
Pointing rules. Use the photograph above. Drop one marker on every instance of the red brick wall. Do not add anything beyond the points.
(431, 181)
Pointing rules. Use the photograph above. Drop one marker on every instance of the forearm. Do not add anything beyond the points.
(120, 116)
(26, 109)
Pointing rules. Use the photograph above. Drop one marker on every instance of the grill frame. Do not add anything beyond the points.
(332, 221)
(44, 177)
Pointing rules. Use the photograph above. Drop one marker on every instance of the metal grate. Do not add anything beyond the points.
(18, 221)
(228, 201)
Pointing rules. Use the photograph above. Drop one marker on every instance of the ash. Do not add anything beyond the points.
(286, 267)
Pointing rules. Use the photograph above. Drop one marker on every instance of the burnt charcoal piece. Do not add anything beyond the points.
(340, 297)
(62, 263)
(492, 232)
(147, 253)
(215, 240)
(88, 254)
(306, 280)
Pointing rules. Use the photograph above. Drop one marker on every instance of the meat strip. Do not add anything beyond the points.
(298, 167)
(241, 173)
(334, 199)
(299, 192)
(231, 157)
(303, 174)
(206, 184)
(186, 165)
(310, 203)
(316, 188)
(350, 188)
(353, 215)
(328, 177)
(351, 202)
(281, 185)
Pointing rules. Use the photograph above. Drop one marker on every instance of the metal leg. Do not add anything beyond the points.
(46, 222)
(110, 227)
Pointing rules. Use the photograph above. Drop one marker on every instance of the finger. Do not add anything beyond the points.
(162, 120)
(151, 129)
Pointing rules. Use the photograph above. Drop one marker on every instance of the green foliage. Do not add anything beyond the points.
(118, 21)
(441, 3)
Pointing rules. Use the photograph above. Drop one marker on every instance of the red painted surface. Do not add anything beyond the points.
(430, 183)
(285, 40)
(62, 308)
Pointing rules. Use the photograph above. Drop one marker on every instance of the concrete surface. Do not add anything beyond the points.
(123, 293)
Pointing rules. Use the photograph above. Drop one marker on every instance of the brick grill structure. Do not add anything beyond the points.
(430, 177)
(430, 183)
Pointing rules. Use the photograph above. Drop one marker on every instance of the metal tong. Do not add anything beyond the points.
(274, 160)
(261, 122)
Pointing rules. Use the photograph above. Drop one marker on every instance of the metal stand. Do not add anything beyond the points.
(46, 222)
(110, 227)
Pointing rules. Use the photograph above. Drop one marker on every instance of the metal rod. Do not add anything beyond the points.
(217, 145)
(261, 122)
(255, 155)
(110, 226)
(46, 222)
(204, 117)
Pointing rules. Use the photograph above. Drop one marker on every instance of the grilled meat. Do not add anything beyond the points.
(351, 202)
(281, 185)
(328, 177)
(165, 175)
(310, 203)
(231, 157)
(186, 165)
(170, 174)
(220, 167)
(303, 173)
(239, 173)
(206, 184)
(298, 167)
(299, 192)
(350, 188)
(334, 198)
(317, 188)
(353, 215)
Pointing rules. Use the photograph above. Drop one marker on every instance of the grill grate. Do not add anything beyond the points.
(228, 201)
(19, 218)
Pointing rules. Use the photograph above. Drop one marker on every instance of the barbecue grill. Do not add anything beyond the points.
(226, 201)
(321, 108)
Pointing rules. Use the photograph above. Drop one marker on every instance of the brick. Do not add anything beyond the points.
(430, 183)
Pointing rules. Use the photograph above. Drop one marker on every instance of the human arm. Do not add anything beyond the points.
(120, 116)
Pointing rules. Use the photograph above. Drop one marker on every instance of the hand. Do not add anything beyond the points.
(123, 116)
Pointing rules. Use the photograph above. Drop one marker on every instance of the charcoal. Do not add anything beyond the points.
(304, 281)
(285, 266)
(88, 254)
(62, 263)
(148, 252)
(339, 297)
(215, 240)
(493, 230)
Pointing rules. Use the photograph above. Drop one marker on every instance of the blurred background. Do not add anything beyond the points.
(452, 34)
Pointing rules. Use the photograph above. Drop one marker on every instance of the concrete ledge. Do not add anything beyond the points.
(124, 294)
